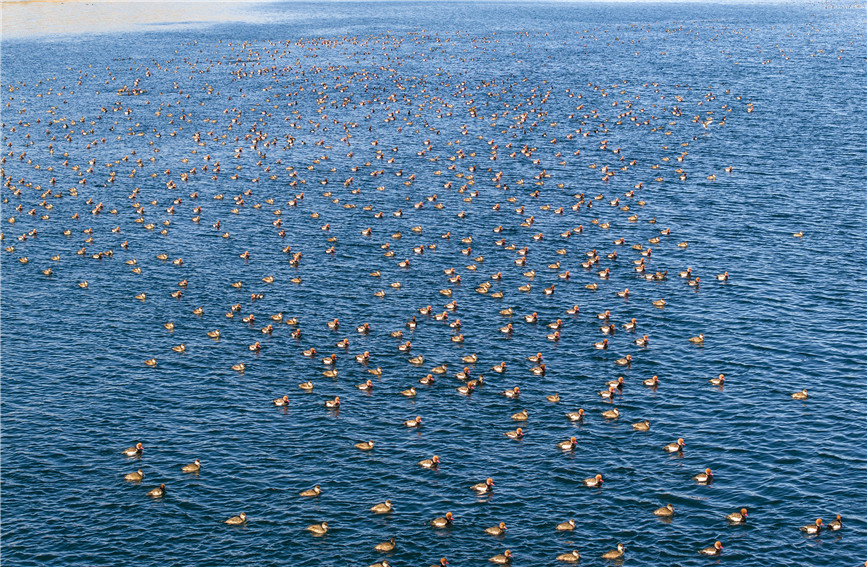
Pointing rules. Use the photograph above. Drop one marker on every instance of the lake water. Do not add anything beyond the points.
(382, 106)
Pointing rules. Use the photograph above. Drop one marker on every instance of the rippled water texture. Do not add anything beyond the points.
(368, 108)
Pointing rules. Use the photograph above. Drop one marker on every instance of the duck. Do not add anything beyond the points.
(318, 529)
(364, 445)
(415, 422)
(535, 357)
(409, 393)
(406, 347)
(520, 416)
(284, 401)
(609, 393)
(363, 329)
(497, 530)
(715, 549)
(619, 383)
(193, 467)
(470, 359)
(593, 482)
(802, 395)
(463, 374)
(375, 371)
(513, 394)
(574, 310)
(738, 517)
(499, 368)
(442, 522)
(836, 524)
(432, 463)
(615, 553)
(382, 507)
(576, 415)
(643, 341)
(718, 381)
(687, 273)
(330, 373)
(330, 360)
(215, 334)
(666, 511)
(555, 336)
(508, 312)
(723, 277)
(483, 487)
(659, 303)
(503, 558)
(135, 451)
(602, 345)
(624, 293)
(365, 386)
(651, 382)
(151, 362)
(538, 370)
(427, 380)
(642, 425)
(813, 529)
(306, 386)
(571, 557)
(607, 329)
(705, 477)
(466, 390)
(335, 403)
(385, 547)
(697, 340)
(311, 492)
(237, 520)
(625, 361)
(553, 398)
(566, 526)
(611, 414)
(335, 324)
(631, 325)
(136, 476)
(158, 492)
(343, 343)
(516, 434)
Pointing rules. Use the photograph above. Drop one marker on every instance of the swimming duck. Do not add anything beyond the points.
(553, 398)
(601, 345)
(483, 487)
(607, 329)
(499, 368)
(136, 476)
(643, 341)
(813, 529)
(651, 382)
(574, 310)
(697, 340)
(724, 277)
(151, 362)
(659, 303)
(158, 492)
(334, 325)
(566, 526)
(318, 529)
(516, 434)
(215, 334)
(284, 401)
(715, 549)
(535, 357)
(624, 293)
(571, 557)
(619, 383)
(614, 553)
(514, 393)
(676, 447)
(508, 312)
(193, 467)
(427, 380)
(802, 395)
(520, 416)
(363, 329)
(413, 422)
(310, 492)
(409, 393)
(382, 507)
(471, 359)
(306, 386)
(687, 273)
(385, 547)
(576, 415)
(503, 558)
(343, 343)
(719, 381)
(538, 370)
(443, 522)
(432, 463)
(611, 414)
(237, 520)
(134, 451)
(335, 403)
(631, 325)
(593, 482)
(364, 445)
(366, 386)
(406, 347)
(609, 393)
(836, 524)
(738, 517)
(375, 371)
(330, 360)
(330, 373)
(499, 529)
(704, 478)
(666, 511)
(641, 425)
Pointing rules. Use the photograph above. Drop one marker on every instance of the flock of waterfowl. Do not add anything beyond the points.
(194, 143)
